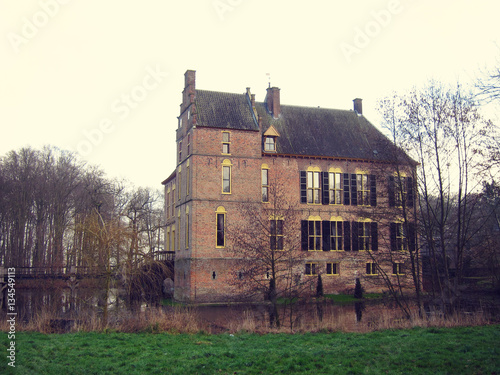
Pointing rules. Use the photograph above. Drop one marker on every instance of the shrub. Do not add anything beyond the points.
(358, 289)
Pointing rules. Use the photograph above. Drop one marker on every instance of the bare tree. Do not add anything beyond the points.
(267, 241)
(443, 130)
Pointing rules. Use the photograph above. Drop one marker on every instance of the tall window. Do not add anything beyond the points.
(168, 240)
(270, 144)
(226, 177)
(336, 187)
(311, 233)
(173, 197)
(168, 202)
(314, 235)
(220, 223)
(363, 187)
(180, 151)
(265, 184)
(276, 234)
(187, 178)
(336, 238)
(364, 237)
(189, 144)
(313, 187)
(226, 142)
(311, 268)
(173, 239)
(403, 236)
(187, 228)
(400, 191)
(371, 268)
(179, 180)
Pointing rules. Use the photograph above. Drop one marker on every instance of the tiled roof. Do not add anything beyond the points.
(326, 132)
(224, 110)
(305, 131)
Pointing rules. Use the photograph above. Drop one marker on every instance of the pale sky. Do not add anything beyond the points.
(104, 78)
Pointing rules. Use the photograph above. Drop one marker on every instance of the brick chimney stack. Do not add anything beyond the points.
(189, 92)
(358, 106)
(273, 101)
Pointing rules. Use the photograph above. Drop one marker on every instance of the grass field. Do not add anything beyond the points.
(466, 350)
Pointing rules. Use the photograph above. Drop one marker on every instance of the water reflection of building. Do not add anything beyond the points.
(338, 168)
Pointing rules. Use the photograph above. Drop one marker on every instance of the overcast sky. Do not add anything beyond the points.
(104, 78)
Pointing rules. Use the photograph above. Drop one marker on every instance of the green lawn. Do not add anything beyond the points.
(469, 350)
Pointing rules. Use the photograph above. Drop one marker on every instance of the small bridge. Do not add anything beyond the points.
(80, 272)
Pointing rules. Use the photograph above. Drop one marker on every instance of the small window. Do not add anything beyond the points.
(270, 144)
(332, 268)
(214, 275)
(397, 269)
(371, 268)
(311, 268)
(226, 142)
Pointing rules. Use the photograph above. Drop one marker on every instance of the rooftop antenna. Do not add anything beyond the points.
(269, 79)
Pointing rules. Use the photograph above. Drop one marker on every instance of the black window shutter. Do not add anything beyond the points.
(355, 236)
(305, 234)
(347, 236)
(393, 229)
(326, 235)
(390, 189)
(347, 201)
(373, 190)
(409, 189)
(326, 188)
(412, 238)
(339, 233)
(374, 233)
(354, 190)
(303, 187)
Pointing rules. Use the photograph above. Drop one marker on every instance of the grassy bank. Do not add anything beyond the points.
(466, 350)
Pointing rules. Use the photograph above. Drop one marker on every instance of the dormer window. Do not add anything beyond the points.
(270, 137)
(270, 144)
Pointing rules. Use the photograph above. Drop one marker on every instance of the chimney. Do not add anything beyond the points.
(358, 106)
(273, 101)
(189, 91)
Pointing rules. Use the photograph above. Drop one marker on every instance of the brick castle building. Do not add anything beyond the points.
(339, 170)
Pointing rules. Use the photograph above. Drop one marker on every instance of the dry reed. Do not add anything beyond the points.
(189, 320)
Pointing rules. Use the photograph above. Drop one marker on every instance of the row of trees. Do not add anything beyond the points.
(57, 213)
(443, 129)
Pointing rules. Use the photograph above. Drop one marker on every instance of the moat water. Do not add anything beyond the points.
(69, 306)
